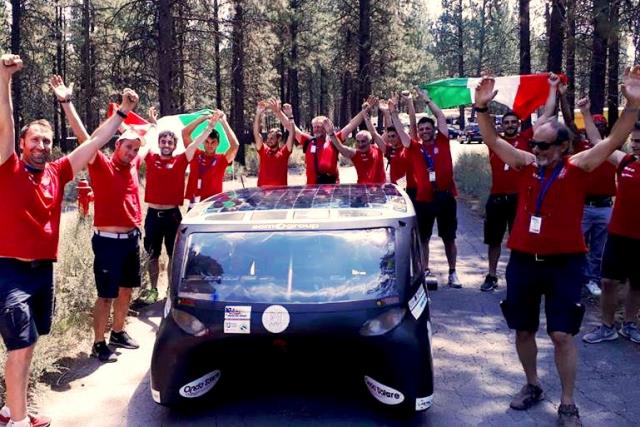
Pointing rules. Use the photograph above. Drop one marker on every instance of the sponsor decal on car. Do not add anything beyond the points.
(275, 319)
(423, 403)
(418, 302)
(201, 385)
(237, 312)
(284, 226)
(237, 326)
(383, 393)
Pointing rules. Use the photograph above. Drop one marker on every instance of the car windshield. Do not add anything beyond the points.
(292, 267)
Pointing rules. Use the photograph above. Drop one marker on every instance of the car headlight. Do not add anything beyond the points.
(189, 323)
(383, 323)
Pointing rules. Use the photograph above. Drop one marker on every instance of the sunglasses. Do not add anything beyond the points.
(543, 145)
(636, 140)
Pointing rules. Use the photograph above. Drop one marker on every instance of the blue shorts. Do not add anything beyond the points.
(116, 263)
(559, 278)
(26, 301)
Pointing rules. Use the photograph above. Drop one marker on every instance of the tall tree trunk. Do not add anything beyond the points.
(364, 51)
(237, 76)
(312, 93)
(599, 55)
(343, 114)
(216, 42)
(293, 82)
(16, 39)
(177, 94)
(166, 57)
(482, 36)
(87, 76)
(525, 37)
(614, 58)
(323, 91)
(571, 52)
(460, 30)
(59, 124)
(556, 36)
(283, 77)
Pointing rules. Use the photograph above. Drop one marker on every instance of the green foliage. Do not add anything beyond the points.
(473, 175)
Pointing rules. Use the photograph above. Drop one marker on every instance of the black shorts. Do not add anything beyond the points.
(619, 259)
(161, 225)
(26, 301)
(443, 209)
(559, 278)
(116, 263)
(500, 212)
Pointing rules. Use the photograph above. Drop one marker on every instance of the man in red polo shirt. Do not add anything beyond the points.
(321, 157)
(547, 245)
(206, 170)
(390, 144)
(274, 160)
(32, 190)
(164, 194)
(431, 166)
(620, 258)
(500, 209)
(366, 157)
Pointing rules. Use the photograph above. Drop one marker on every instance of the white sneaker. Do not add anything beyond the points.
(453, 281)
(593, 288)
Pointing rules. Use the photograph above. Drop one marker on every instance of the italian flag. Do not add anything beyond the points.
(522, 94)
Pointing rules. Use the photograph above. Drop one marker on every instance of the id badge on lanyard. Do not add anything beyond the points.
(535, 224)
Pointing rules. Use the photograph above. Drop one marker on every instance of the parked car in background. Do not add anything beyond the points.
(333, 273)
(471, 134)
(454, 133)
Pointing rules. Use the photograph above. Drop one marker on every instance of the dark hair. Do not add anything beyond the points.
(39, 122)
(391, 129)
(168, 133)
(214, 135)
(636, 125)
(427, 120)
(510, 113)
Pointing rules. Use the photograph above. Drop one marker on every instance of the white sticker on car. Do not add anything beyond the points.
(418, 302)
(275, 319)
(237, 312)
(423, 403)
(201, 385)
(237, 326)
(429, 330)
(383, 393)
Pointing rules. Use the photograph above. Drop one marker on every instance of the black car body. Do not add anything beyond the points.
(471, 133)
(317, 268)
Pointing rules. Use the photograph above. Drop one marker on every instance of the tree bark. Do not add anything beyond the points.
(460, 34)
(323, 91)
(556, 36)
(364, 51)
(237, 76)
(16, 39)
(525, 38)
(571, 52)
(166, 60)
(87, 76)
(599, 55)
(293, 80)
(482, 36)
(216, 41)
(613, 47)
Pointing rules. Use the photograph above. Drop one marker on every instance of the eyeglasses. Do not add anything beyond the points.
(543, 145)
(636, 140)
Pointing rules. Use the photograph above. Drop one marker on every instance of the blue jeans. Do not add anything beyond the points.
(594, 226)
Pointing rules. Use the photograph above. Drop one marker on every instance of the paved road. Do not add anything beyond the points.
(476, 372)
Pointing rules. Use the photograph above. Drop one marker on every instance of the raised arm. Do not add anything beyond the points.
(257, 136)
(550, 105)
(509, 154)
(64, 95)
(190, 151)
(342, 149)
(274, 105)
(590, 159)
(9, 65)
(188, 130)
(357, 119)
(153, 115)
(231, 152)
(441, 120)
(84, 153)
(593, 134)
(397, 123)
(287, 110)
(411, 109)
(567, 113)
(374, 133)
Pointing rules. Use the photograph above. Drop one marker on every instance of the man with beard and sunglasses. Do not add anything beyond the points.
(32, 191)
(547, 244)
(274, 159)
(500, 209)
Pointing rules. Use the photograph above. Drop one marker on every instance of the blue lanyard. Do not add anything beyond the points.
(546, 184)
(427, 158)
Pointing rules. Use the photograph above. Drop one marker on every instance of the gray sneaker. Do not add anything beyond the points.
(630, 331)
(453, 281)
(528, 396)
(601, 333)
(568, 415)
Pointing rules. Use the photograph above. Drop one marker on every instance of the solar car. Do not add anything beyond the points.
(334, 271)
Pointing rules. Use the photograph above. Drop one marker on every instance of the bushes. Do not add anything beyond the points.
(473, 175)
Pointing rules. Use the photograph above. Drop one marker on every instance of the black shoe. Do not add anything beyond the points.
(568, 415)
(102, 351)
(490, 283)
(122, 339)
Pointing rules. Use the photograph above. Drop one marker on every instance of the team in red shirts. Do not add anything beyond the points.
(547, 245)
(32, 188)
